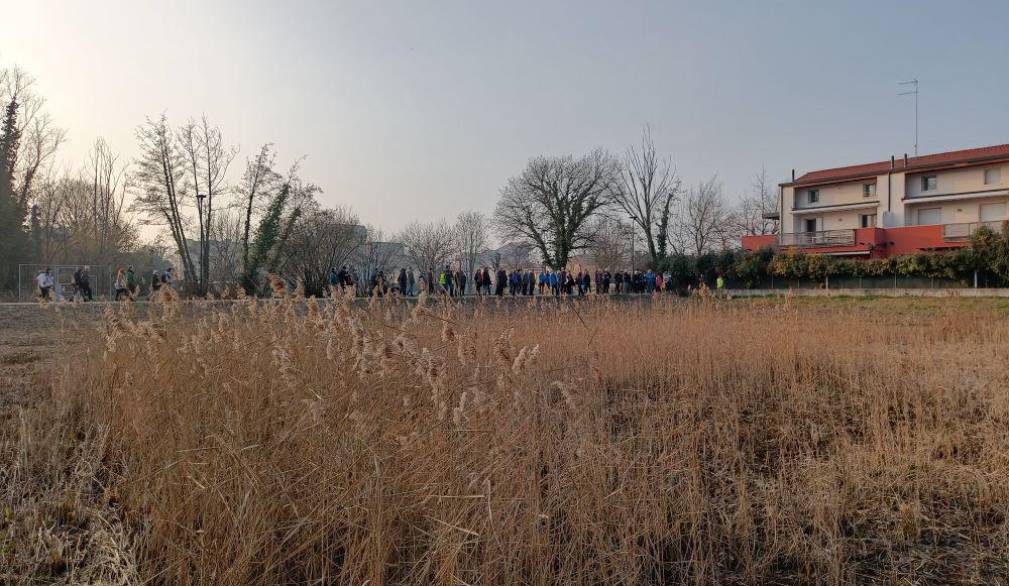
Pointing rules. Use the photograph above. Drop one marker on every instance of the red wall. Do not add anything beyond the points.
(880, 242)
(912, 239)
(758, 242)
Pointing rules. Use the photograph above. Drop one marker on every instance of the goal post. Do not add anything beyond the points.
(100, 277)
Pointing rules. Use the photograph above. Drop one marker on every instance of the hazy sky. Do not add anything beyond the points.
(417, 110)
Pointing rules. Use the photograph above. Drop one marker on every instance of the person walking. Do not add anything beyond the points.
(155, 283)
(84, 282)
(650, 281)
(501, 282)
(120, 285)
(132, 283)
(45, 282)
(720, 285)
(333, 280)
(411, 282)
(75, 286)
(486, 280)
(587, 282)
(167, 278)
(403, 282)
(443, 281)
(478, 281)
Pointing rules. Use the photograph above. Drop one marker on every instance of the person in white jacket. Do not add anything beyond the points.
(45, 282)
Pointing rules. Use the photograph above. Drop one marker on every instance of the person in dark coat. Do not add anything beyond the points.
(402, 280)
(501, 282)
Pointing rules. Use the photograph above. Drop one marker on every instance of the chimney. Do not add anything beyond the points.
(793, 175)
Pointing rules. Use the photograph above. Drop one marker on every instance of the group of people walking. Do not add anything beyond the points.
(126, 284)
(517, 282)
(80, 284)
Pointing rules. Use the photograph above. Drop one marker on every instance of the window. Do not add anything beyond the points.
(811, 225)
(869, 190)
(814, 195)
(927, 216)
(929, 183)
(867, 220)
(992, 176)
(993, 212)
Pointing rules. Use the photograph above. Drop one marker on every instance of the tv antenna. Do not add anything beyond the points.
(914, 92)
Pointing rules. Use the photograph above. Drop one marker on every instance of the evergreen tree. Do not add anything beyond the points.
(14, 244)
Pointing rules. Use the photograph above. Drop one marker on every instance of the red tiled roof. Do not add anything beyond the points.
(949, 158)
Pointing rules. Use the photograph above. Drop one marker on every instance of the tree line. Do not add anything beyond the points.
(223, 233)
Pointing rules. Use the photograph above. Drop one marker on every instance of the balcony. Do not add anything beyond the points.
(817, 239)
(958, 232)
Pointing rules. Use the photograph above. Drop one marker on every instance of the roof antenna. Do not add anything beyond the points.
(793, 175)
(914, 92)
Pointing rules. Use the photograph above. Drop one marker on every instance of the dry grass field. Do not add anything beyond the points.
(590, 442)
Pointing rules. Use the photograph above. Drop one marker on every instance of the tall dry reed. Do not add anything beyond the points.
(550, 442)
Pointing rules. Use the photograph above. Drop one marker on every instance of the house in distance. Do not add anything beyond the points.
(900, 206)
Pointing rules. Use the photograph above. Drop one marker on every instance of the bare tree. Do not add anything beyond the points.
(471, 233)
(162, 190)
(610, 247)
(648, 189)
(550, 203)
(225, 236)
(72, 228)
(321, 239)
(756, 206)
(108, 194)
(429, 245)
(706, 222)
(48, 203)
(37, 136)
(207, 160)
(39, 143)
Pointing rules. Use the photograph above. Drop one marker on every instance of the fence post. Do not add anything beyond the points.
(975, 278)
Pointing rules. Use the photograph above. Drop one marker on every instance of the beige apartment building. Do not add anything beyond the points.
(902, 205)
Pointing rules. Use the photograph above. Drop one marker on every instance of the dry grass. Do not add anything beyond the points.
(587, 442)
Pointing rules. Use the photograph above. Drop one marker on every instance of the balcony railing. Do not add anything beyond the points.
(823, 238)
(966, 230)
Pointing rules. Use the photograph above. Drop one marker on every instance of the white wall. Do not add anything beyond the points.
(953, 212)
(957, 181)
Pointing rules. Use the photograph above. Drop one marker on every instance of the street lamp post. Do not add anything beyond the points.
(633, 220)
(204, 229)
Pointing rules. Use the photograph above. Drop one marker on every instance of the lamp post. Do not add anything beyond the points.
(204, 229)
(634, 219)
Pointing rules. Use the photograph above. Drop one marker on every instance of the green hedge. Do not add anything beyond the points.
(988, 253)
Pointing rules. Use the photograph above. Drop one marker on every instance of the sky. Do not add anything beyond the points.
(411, 110)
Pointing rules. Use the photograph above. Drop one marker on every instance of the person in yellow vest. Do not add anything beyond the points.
(720, 286)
